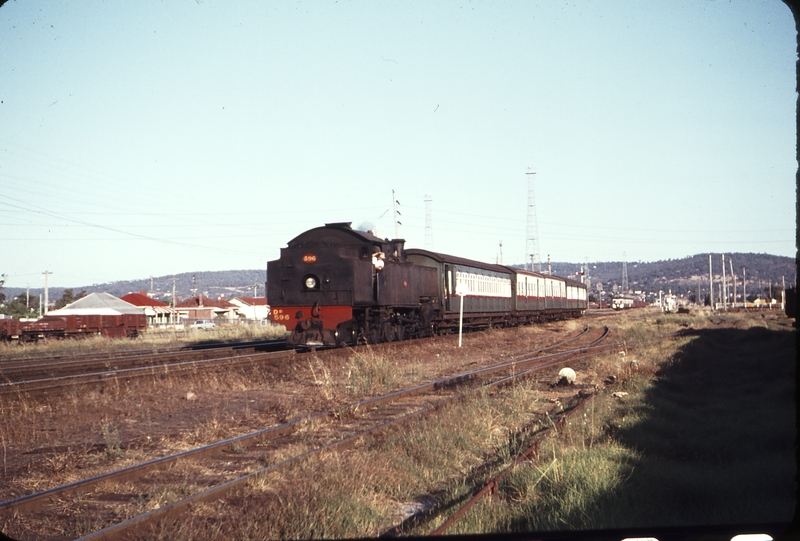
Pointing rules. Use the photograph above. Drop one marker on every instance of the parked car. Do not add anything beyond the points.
(202, 324)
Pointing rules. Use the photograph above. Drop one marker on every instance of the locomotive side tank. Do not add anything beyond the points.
(334, 285)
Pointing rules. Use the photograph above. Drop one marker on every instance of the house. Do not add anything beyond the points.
(201, 307)
(159, 314)
(252, 308)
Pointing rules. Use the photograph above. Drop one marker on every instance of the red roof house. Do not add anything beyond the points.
(201, 307)
(158, 313)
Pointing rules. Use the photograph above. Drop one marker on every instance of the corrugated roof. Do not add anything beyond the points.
(97, 304)
(252, 301)
(137, 299)
(194, 302)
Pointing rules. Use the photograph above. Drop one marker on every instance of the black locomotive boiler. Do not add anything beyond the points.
(334, 285)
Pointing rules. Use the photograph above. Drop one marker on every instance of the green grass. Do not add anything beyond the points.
(709, 441)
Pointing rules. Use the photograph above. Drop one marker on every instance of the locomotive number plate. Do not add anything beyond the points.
(309, 258)
(279, 314)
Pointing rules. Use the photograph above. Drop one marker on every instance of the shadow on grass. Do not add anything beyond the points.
(710, 446)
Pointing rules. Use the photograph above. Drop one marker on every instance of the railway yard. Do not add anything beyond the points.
(419, 437)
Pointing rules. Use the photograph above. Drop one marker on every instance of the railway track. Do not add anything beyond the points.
(53, 375)
(50, 375)
(220, 467)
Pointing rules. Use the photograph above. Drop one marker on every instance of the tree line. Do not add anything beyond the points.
(24, 305)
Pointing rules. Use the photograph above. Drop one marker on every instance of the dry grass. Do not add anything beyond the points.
(152, 339)
(360, 493)
(705, 426)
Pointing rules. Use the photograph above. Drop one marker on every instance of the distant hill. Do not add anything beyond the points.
(678, 275)
(233, 283)
(687, 274)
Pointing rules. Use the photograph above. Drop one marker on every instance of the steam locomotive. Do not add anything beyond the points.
(335, 286)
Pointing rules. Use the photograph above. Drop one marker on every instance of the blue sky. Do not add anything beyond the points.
(143, 139)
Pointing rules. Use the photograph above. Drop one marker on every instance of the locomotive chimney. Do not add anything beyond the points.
(398, 249)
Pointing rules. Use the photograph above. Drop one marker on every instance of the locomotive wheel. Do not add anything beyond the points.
(400, 332)
(374, 335)
(388, 332)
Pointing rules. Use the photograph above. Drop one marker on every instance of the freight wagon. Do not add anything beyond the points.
(73, 326)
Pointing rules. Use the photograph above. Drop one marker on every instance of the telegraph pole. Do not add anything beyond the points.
(397, 223)
(428, 223)
(783, 293)
(46, 299)
(733, 277)
(724, 286)
(744, 286)
(586, 274)
(710, 284)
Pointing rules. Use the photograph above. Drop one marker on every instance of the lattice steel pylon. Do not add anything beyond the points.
(532, 235)
(428, 223)
(624, 272)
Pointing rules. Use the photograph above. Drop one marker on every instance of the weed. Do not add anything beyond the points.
(236, 447)
(112, 441)
(370, 372)
(321, 377)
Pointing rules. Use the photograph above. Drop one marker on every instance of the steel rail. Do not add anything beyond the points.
(33, 500)
(567, 341)
(175, 509)
(71, 367)
(188, 349)
(86, 356)
(62, 382)
(492, 486)
(41, 364)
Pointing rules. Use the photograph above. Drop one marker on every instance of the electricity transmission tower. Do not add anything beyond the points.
(428, 223)
(624, 272)
(532, 235)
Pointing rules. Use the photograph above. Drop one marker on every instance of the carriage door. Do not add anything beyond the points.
(448, 287)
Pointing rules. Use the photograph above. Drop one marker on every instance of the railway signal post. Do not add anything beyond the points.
(462, 291)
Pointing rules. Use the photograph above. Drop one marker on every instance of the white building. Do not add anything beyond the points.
(253, 308)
